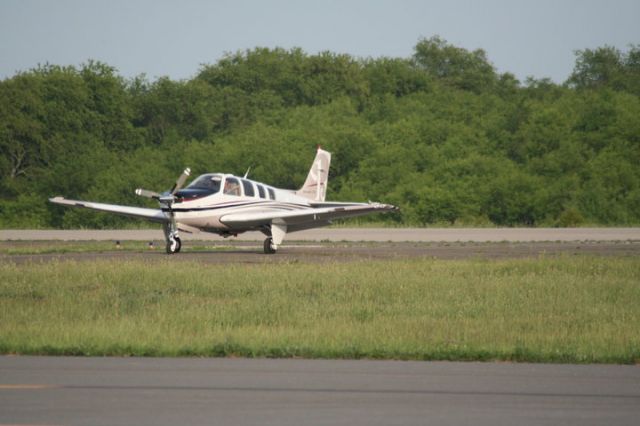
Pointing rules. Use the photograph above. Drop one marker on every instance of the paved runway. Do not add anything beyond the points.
(325, 252)
(148, 391)
(354, 234)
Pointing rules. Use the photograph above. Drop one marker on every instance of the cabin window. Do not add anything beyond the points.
(261, 191)
(272, 193)
(248, 188)
(232, 186)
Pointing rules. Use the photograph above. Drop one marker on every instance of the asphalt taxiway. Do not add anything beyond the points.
(152, 391)
(328, 245)
(326, 252)
(352, 234)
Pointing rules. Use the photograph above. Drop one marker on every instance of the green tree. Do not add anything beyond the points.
(607, 67)
(454, 65)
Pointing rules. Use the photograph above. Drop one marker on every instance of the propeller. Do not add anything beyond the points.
(148, 194)
(167, 197)
(181, 180)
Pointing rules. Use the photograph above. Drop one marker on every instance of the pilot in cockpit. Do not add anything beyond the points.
(231, 187)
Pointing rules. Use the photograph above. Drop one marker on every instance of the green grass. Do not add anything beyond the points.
(567, 309)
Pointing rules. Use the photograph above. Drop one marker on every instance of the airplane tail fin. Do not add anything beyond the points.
(315, 187)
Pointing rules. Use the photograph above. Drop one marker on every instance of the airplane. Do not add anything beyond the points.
(229, 205)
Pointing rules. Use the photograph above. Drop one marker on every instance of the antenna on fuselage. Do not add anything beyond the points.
(246, 173)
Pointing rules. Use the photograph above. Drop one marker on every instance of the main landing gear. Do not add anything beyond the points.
(275, 235)
(269, 247)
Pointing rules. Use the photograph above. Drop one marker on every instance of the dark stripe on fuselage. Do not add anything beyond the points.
(288, 206)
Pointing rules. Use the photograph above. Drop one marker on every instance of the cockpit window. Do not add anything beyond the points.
(232, 186)
(272, 193)
(210, 183)
(261, 191)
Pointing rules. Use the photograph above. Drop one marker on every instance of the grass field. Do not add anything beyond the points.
(566, 309)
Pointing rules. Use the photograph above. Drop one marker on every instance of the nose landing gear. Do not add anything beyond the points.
(174, 244)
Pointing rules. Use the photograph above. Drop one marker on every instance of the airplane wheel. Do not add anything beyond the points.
(173, 245)
(268, 246)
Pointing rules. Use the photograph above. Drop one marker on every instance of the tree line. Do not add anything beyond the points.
(441, 134)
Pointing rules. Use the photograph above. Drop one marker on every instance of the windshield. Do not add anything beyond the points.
(210, 183)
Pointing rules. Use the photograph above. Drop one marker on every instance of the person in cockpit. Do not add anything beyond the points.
(231, 187)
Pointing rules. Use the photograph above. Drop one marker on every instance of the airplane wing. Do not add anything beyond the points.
(297, 220)
(155, 215)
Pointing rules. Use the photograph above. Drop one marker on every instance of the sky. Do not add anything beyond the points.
(535, 38)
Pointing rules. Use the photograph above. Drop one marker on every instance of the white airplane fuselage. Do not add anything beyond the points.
(207, 212)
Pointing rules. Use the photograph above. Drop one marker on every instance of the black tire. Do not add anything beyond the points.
(268, 246)
(178, 244)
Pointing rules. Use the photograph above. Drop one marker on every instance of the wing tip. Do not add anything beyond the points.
(383, 206)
